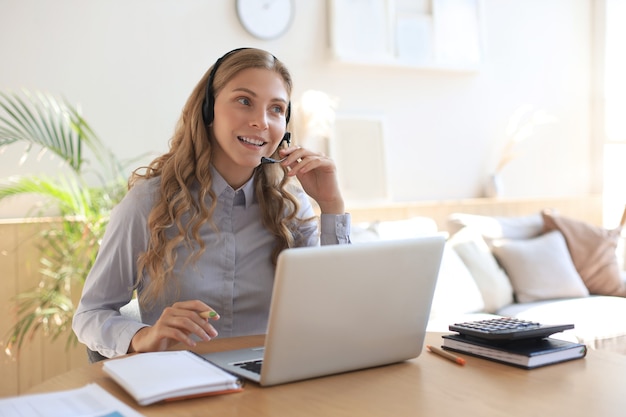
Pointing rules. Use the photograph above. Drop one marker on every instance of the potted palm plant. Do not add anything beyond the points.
(82, 196)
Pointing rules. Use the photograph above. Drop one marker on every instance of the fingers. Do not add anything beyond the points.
(178, 323)
(318, 176)
(189, 322)
(300, 161)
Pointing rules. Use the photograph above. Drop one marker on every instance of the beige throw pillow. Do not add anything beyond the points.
(540, 268)
(592, 249)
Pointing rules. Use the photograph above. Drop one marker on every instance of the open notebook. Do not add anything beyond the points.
(341, 308)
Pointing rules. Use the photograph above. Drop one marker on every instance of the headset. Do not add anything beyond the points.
(209, 97)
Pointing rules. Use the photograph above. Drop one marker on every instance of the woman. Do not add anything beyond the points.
(201, 227)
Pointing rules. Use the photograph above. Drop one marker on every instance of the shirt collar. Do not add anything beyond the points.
(220, 185)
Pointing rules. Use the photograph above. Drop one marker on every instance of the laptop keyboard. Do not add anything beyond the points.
(252, 366)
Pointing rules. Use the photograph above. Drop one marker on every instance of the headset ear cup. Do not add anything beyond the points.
(208, 103)
(209, 99)
(207, 111)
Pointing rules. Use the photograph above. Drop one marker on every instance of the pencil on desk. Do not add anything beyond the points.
(446, 355)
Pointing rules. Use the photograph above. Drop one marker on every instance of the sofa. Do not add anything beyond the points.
(541, 267)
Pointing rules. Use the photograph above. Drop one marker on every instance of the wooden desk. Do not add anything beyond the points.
(426, 386)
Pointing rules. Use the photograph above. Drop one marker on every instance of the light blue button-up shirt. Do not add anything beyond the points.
(234, 275)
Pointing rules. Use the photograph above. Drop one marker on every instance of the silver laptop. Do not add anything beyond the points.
(342, 308)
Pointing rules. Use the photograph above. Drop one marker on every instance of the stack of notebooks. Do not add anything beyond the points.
(515, 348)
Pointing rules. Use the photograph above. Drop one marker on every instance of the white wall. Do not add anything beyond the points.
(130, 64)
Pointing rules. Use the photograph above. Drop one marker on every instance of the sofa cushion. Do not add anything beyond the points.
(494, 285)
(519, 227)
(399, 229)
(540, 268)
(363, 232)
(597, 320)
(592, 249)
(393, 229)
(456, 291)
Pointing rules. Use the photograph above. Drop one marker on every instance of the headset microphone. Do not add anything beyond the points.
(266, 160)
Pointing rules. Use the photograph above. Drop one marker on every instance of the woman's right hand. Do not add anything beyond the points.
(177, 324)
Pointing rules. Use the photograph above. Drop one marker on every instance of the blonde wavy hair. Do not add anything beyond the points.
(187, 166)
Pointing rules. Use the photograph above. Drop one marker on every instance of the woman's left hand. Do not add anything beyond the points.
(318, 175)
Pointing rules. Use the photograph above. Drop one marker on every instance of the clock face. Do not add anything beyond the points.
(265, 19)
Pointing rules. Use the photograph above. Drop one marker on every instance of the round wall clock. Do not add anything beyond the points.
(265, 19)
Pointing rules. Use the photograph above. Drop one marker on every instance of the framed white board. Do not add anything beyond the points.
(437, 34)
(358, 148)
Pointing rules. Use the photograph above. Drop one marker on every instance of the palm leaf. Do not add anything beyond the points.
(69, 246)
(52, 190)
(45, 309)
(70, 195)
(40, 119)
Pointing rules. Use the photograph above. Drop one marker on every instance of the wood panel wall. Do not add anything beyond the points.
(41, 359)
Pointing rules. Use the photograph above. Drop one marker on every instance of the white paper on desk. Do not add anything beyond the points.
(88, 401)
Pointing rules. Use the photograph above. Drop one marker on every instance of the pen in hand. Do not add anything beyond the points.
(209, 314)
(446, 355)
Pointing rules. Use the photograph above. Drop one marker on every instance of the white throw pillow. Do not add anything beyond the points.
(492, 281)
(363, 232)
(540, 268)
(456, 291)
(402, 229)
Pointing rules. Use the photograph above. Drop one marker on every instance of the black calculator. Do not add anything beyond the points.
(507, 329)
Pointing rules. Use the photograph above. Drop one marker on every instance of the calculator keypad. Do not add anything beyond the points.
(507, 328)
(498, 325)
